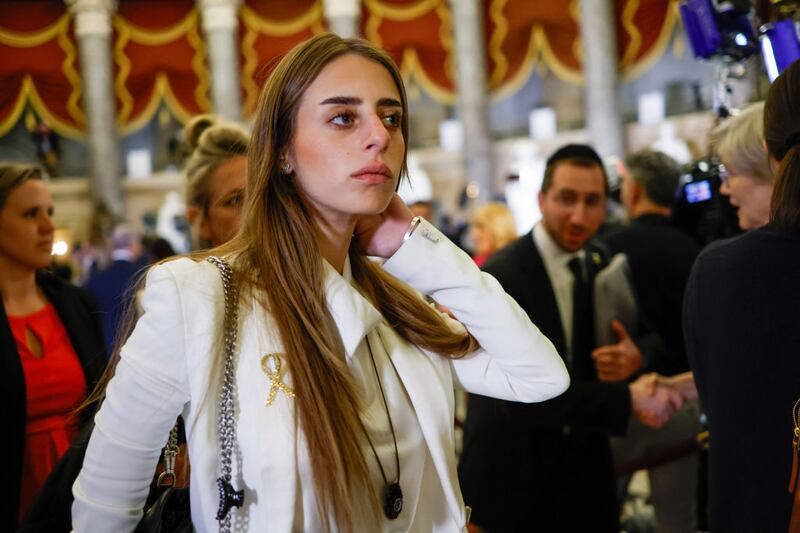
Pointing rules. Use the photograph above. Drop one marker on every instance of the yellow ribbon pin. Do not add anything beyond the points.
(271, 365)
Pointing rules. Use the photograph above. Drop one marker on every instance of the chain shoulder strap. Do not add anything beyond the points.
(228, 496)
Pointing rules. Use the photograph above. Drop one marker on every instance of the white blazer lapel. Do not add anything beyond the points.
(427, 383)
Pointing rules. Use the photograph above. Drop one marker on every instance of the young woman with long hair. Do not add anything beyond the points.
(344, 374)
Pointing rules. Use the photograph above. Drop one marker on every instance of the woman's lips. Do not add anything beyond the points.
(375, 174)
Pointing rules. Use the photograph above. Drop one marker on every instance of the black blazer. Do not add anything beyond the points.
(78, 314)
(661, 257)
(742, 324)
(513, 451)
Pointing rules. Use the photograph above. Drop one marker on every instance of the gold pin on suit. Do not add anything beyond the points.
(271, 365)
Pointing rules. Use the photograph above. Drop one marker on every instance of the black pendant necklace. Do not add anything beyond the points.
(392, 493)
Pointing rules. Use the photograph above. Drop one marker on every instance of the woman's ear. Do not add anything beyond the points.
(285, 163)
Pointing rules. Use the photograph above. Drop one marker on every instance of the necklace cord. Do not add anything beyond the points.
(388, 415)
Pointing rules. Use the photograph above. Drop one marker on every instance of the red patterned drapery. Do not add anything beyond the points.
(159, 54)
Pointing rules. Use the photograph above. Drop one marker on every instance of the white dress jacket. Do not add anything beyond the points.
(165, 371)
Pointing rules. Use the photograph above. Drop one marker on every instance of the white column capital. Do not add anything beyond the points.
(219, 14)
(92, 17)
(341, 8)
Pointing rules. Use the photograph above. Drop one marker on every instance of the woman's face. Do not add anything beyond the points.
(347, 149)
(26, 227)
(483, 239)
(750, 195)
(225, 194)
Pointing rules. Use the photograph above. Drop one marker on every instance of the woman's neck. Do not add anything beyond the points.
(18, 287)
(334, 237)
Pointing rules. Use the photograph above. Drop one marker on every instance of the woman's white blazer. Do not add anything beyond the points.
(166, 363)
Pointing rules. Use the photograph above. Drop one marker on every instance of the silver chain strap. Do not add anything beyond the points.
(226, 430)
(168, 478)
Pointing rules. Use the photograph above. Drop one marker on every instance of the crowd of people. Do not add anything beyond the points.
(585, 353)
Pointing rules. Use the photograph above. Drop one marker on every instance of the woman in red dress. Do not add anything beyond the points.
(51, 347)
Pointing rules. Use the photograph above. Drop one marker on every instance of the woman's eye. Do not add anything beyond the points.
(234, 201)
(342, 119)
(392, 121)
(30, 213)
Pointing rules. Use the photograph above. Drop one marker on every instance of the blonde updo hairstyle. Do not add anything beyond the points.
(212, 142)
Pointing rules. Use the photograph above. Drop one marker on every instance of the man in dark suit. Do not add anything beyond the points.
(548, 466)
(661, 257)
(111, 287)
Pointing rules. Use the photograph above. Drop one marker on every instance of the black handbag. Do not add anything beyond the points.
(171, 512)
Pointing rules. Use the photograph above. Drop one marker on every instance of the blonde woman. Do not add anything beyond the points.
(344, 375)
(216, 175)
(493, 227)
(739, 143)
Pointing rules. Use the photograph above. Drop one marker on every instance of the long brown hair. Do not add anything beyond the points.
(278, 260)
(782, 135)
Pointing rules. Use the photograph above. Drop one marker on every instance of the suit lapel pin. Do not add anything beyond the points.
(596, 259)
(271, 366)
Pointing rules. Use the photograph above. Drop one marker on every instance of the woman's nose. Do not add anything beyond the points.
(377, 135)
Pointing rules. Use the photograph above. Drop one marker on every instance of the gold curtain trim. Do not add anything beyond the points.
(496, 42)
(68, 68)
(162, 91)
(412, 67)
(577, 44)
(524, 72)
(199, 68)
(659, 47)
(538, 51)
(635, 43)
(249, 70)
(401, 14)
(280, 28)
(560, 69)
(446, 38)
(126, 32)
(19, 106)
(371, 30)
(150, 37)
(254, 25)
(27, 93)
(34, 38)
(123, 71)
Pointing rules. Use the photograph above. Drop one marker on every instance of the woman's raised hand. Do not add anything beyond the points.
(382, 234)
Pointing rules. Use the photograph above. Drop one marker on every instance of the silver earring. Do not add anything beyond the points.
(286, 169)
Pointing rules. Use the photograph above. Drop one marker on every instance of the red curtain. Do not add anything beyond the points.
(159, 51)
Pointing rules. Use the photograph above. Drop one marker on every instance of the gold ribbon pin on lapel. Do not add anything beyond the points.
(271, 365)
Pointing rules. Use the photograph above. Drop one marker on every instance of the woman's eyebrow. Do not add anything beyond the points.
(341, 100)
(353, 100)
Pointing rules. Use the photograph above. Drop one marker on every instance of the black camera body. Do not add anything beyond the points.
(700, 209)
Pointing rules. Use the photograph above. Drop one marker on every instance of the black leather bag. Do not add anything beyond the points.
(169, 514)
